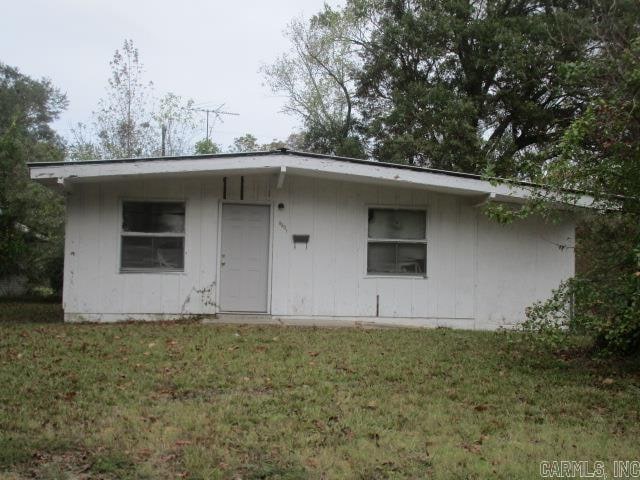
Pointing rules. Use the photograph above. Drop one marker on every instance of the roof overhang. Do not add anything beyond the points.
(63, 175)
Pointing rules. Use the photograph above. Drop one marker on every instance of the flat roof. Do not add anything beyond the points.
(280, 151)
(287, 160)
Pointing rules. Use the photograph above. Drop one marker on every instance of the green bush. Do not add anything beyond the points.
(54, 271)
(603, 300)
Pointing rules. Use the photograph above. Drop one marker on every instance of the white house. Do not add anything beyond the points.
(299, 238)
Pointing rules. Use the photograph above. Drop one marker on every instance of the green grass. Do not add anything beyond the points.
(200, 401)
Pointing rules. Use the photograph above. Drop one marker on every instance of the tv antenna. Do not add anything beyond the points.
(216, 112)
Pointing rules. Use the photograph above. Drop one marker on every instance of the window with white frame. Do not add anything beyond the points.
(397, 242)
(152, 236)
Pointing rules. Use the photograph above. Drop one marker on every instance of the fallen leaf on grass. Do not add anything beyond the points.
(69, 396)
(182, 443)
(347, 432)
(319, 424)
(314, 354)
(481, 408)
(608, 381)
(473, 447)
(144, 453)
(371, 405)
(345, 369)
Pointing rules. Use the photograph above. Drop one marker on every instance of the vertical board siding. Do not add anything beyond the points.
(479, 273)
(324, 260)
(519, 264)
(302, 206)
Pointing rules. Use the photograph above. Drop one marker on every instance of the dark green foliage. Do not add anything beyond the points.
(462, 84)
(206, 146)
(599, 153)
(54, 271)
(603, 300)
(317, 141)
(31, 216)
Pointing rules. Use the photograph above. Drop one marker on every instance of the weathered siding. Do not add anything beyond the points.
(479, 274)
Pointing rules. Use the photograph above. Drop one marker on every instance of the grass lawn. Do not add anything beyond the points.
(201, 401)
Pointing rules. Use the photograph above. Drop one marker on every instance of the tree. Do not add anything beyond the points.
(599, 153)
(31, 216)
(175, 116)
(124, 122)
(466, 84)
(317, 77)
(245, 143)
(130, 120)
(81, 146)
(207, 146)
(249, 143)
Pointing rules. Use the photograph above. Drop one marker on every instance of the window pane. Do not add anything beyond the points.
(153, 217)
(162, 253)
(381, 258)
(411, 258)
(397, 224)
(137, 252)
(169, 252)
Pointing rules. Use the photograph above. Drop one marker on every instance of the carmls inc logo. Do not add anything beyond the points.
(588, 469)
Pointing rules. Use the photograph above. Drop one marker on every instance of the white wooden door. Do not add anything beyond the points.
(244, 258)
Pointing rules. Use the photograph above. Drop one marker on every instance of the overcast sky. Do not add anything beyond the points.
(206, 50)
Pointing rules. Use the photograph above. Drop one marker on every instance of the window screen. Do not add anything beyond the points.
(397, 242)
(152, 236)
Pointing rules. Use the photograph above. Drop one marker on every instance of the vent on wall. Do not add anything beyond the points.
(297, 238)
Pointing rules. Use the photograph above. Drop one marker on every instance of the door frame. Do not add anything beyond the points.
(221, 203)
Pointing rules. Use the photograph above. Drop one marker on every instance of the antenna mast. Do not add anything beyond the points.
(216, 112)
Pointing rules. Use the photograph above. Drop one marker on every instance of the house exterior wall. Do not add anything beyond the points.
(479, 274)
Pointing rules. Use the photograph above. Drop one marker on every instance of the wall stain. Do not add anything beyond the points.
(207, 296)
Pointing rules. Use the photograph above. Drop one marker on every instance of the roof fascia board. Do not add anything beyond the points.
(312, 165)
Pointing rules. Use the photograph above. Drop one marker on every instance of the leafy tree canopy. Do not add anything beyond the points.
(317, 76)
(599, 153)
(207, 146)
(463, 84)
(130, 121)
(30, 215)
